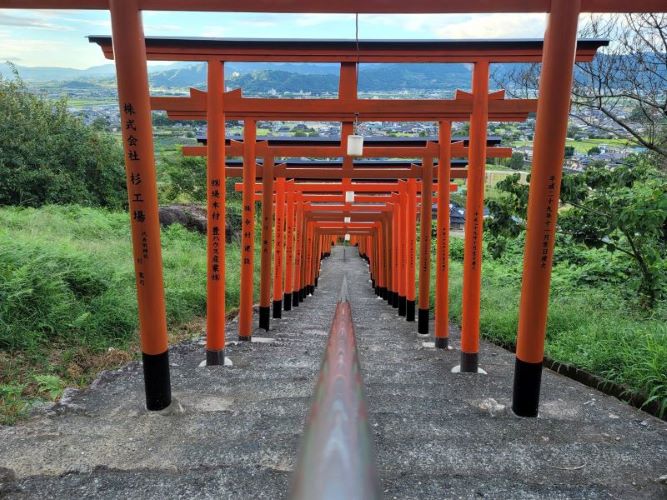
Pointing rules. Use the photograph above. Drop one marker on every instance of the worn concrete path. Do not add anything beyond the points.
(236, 432)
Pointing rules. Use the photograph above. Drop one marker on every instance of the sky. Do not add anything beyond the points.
(57, 37)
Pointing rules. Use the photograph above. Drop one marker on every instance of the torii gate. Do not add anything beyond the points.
(199, 105)
(348, 107)
(376, 202)
(549, 139)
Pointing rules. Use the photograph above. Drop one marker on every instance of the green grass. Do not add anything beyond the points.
(583, 145)
(68, 302)
(591, 327)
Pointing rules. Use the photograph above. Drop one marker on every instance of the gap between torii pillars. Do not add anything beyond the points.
(472, 259)
(544, 192)
(248, 235)
(135, 112)
(216, 199)
(442, 248)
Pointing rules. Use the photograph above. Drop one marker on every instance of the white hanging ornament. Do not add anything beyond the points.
(355, 145)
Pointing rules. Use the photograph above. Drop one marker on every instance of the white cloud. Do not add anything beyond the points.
(43, 52)
(496, 26)
(38, 21)
(460, 26)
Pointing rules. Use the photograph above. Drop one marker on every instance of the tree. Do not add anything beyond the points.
(622, 92)
(516, 162)
(569, 151)
(48, 156)
(594, 151)
(621, 210)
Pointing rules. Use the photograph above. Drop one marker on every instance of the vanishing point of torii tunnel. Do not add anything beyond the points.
(320, 191)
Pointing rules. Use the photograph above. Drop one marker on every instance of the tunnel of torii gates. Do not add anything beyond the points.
(375, 229)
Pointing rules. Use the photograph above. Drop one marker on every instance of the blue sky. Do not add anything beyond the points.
(56, 38)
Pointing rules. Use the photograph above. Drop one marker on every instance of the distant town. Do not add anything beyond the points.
(94, 100)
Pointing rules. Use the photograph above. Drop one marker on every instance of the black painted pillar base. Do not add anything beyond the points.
(277, 309)
(215, 358)
(402, 305)
(287, 301)
(410, 310)
(441, 343)
(264, 315)
(387, 295)
(422, 321)
(469, 362)
(157, 382)
(311, 289)
(295, 298)
(302, 294)
(373, 284)
(526, 394)
(244, 338)
(317, 280)
(394, 300)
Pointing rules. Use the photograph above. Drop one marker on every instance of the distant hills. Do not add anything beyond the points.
(322, 78)
(267, 77)
(263, 78)
(47, 74)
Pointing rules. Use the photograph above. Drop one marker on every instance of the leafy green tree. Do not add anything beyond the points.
(48, 156)
(516, 162)
(182, 179)
(569, 151)
(621, 210)
(594, 151)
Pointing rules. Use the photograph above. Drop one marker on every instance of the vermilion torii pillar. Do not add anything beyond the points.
(135, 111)
(411, 237)
(298, 252)
(278, 249)
(289, 248)
(395, 252)
(425, 244)
(267, 227)
(548, 156)
(216, 190)
(472, 258)
(442, 249)
(248, 234)
(402, 248)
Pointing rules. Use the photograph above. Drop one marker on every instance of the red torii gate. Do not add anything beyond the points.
(552, 116)
(316, 199)
(348, 107)
(478, 107)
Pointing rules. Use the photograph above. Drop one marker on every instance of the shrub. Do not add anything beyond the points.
(49, 156)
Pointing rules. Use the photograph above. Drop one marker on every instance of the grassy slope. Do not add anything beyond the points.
(589, 327)
(67, 296)
(68, 310)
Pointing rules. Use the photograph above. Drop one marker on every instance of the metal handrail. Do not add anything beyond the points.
(337, 455)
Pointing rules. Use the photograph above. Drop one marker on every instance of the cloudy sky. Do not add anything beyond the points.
(56, 38)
